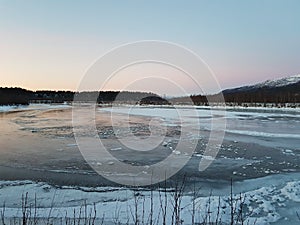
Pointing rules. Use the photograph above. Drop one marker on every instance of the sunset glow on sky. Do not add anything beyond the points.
(51, 44)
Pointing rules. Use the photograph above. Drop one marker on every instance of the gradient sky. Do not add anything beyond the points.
(50, 44)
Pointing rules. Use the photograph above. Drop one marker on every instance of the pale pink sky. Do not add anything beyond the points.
(51, 44)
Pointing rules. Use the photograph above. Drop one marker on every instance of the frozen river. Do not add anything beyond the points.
(260, 152)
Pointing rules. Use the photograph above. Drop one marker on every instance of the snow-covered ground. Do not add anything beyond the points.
(273, 199)
(10, 108)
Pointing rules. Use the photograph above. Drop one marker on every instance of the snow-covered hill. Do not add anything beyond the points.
(279, 82)
(268, 84)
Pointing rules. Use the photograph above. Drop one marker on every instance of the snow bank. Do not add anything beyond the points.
(261, 204)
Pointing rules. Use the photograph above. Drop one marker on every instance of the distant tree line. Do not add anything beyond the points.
(154, 100)
(277, 95)
(14, 96)
(264, 95)
(19, 96)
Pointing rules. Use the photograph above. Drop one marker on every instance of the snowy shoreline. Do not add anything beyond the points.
(266, 203)
(243, 106)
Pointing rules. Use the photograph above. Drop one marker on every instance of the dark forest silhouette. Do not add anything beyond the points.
(263, 95)
(19, 96)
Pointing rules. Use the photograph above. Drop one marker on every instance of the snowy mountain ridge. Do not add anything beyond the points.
(281, 82)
